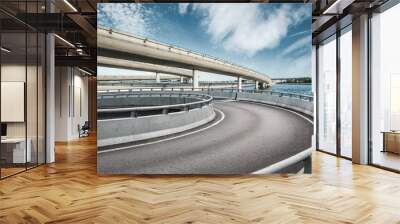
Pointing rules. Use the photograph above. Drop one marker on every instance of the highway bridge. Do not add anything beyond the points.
(234, 132)
(142, 66)
(117, 49)
(158, 80)
(195, 130)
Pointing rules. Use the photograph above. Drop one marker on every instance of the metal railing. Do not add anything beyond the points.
(203, 100)
(154, 84)
(209, 90)
(283, 94)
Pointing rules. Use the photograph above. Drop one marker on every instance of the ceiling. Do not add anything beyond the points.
(331, 15)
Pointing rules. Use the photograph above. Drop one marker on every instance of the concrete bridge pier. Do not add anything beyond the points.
(263, 85)
(181, 79)
(239, 84)
(195, 81)
(257, 84)
(158, 80)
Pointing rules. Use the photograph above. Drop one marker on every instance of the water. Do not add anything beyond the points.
(305, 89)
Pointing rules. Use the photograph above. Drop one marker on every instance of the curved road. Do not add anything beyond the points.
(249, 138)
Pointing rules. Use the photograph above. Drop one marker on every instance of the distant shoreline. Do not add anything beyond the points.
(293, 83)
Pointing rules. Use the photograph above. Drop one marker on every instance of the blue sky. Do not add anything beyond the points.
(274, 39)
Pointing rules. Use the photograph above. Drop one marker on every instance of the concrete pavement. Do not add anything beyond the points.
(250, 138)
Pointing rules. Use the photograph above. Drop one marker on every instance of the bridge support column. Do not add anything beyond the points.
(181, 79)
(195, 79)
(257, 85)
(158, 77)
(239, 84)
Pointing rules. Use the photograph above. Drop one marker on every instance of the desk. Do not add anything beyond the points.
(15, 148)
(391, 141)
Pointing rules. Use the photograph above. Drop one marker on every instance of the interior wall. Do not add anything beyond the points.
(80, 110)
(62, 85)
(14, 73)
(71, 102)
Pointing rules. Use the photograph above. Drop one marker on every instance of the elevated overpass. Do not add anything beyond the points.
(120, 46)
(137, 77)
(142, 66)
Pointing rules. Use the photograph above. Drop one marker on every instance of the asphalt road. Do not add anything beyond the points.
(250, 137)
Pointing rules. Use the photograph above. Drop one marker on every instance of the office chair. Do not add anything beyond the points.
(84, 130)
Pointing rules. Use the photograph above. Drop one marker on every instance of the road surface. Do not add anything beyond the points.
(249, 138)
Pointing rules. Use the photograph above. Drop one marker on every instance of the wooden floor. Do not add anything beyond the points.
(70, 191)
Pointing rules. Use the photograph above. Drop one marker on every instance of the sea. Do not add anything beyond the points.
(304, 89)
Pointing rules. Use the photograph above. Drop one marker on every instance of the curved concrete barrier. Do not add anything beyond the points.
(125, 130)
(300, 105)
(127, 101)
(293, 103)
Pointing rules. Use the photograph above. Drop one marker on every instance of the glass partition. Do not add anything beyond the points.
(14, 153)
(41, 97)
(385, 89)
(31, 98)
(327, 95)
(346, 93)
(22, 77)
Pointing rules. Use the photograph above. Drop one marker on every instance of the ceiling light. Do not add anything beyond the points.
(337, 7)
(70, 5)
(86, 72)
(5, 50)
(64, 40)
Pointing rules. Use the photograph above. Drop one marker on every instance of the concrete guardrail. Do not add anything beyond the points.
(130, 129)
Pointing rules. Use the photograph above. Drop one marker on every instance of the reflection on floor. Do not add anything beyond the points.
(10, 171)
(387, 159)
(70, 191)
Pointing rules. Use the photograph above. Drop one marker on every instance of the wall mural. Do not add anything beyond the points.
(204, 88)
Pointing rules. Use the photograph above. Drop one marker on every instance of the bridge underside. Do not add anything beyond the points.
(121, 46)
(121, 59)
(128, 63)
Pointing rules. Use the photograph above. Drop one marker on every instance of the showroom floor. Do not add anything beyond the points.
(70, 191)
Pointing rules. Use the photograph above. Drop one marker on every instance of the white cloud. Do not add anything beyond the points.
(300, 43)
(247, 28)
(301, 66)
(299, 33)
(125, 17)
(183, 7)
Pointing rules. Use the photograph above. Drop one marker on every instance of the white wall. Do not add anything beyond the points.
(33, 126)
(14, 73)
(70, 83)
(79, 117)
